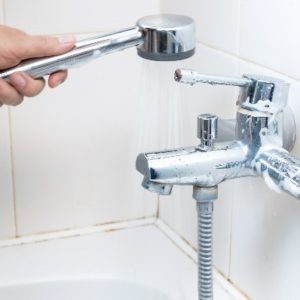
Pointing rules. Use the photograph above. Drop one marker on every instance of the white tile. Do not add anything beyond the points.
(7, 223)
(1, 12)
(217, 21)
(268, 34)
(179, 209)
(61, 16)
(265, 243)
(75, 150)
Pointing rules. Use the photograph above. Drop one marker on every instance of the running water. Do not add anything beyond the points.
(159, 120)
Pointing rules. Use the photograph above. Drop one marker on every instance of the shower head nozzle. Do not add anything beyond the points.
(167, 37)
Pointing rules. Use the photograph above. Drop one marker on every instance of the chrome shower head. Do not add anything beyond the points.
(167, 37)
(157, 37)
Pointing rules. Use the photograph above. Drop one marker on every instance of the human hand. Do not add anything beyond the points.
(15, 46)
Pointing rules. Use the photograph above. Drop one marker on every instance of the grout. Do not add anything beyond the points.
(70, 233)
(158, 207)
(234, 291)
(233, 193)
(12, 165)
(230, 233)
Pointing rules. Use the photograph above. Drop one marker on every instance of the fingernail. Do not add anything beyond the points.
(66, 39)
(58, 83)
(19, 80)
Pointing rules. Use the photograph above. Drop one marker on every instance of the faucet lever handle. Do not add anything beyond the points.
(258, 93)
(191, 77)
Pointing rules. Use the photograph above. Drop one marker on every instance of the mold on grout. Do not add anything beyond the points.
(11, 154)
(69, 233)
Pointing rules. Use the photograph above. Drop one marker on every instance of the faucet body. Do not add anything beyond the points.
(263, 133)
(256, 143)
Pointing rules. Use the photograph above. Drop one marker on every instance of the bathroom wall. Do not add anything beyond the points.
(257, 231)
(67, 157)
(7, 212)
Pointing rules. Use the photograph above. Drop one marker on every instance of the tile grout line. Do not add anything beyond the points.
(231, 233)
(69, 233)
(157, 215)
(12, 169)
(232, 195)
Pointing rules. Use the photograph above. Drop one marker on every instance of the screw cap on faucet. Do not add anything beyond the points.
(207, 130)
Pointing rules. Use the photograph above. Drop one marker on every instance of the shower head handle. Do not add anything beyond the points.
(158, 37)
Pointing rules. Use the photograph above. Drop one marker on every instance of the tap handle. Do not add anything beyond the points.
(207, 130)
(259, 93)
(191, 77)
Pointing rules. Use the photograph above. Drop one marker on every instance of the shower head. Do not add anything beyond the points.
(167, 37)
(158, 37)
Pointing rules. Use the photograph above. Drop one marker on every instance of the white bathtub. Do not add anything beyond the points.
(138, 263)
(79, 289)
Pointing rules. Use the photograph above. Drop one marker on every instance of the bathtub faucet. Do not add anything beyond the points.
(257, 144)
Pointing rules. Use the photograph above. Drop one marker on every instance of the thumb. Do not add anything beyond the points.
(39, 46)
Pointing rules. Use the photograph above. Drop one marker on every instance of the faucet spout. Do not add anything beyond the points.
(159, 188)
(191, 166)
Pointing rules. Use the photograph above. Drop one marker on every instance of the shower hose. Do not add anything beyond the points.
(205, 247)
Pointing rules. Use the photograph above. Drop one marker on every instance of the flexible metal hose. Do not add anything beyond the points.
(205, 247)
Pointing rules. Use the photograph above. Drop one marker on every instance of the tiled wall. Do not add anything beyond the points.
(257, 232)
(67, 156)
(7, 213)
(74, 148)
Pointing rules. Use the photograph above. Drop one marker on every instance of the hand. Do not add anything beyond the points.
(16, 46)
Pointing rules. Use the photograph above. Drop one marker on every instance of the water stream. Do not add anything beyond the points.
(159, 118)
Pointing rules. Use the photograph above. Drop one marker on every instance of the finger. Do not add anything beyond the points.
(8, 94)
(26, 85)
(39, 46)
(57, 78)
